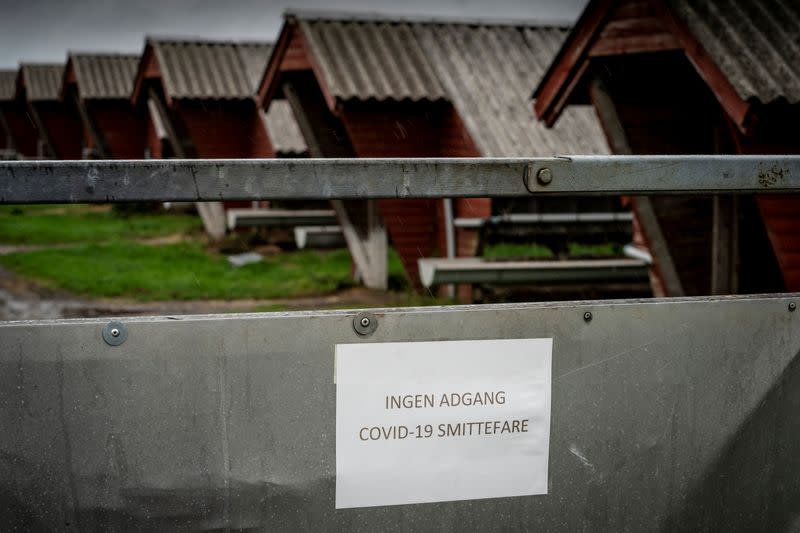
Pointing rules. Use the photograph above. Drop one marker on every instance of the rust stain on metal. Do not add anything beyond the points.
(769, 177)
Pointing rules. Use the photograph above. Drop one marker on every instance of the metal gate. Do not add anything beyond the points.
(678, 414)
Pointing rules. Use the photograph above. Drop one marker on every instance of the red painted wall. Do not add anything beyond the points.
(123, 129)
(64, 128)
(222, 129)
(419, 129)
(22, 129)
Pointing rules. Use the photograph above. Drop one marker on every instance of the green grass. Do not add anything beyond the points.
(182, 271)
(517, 251)
(46, 225)
(610, 249)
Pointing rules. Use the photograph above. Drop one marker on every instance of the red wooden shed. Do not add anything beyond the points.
(21, 135)
(57, 125)
(99, 87)
(376, 87)
(199, 96)
(694, 76)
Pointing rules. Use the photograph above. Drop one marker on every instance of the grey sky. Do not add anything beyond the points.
(43, 30)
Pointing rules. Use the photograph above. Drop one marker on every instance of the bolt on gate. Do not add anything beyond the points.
(675, 413)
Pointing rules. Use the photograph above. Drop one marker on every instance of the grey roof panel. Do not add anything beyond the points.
(104, 76)
(378, 60)
(215, 70)
(485, 70)
(8, 84)
(488, 72)
(756, 43)
(284, 133)
(254, 57)
(42, 80)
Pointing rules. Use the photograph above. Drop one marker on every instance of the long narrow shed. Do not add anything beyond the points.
(378, 87)
(57, 125)
(99, 87)
(199, 97)
(694, 76)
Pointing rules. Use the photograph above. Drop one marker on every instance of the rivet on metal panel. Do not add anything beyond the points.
(115, 333)
(587, 316)
(365, 323)
(544, 176)
(792, 306)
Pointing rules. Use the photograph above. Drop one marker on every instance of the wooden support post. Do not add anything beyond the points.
(47, 149)
(9, 138)
(643, 206)
(724, 245)
(98, 140)
(211, 213)
(361, 221)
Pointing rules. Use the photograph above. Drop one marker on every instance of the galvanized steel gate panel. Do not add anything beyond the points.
(666, 414)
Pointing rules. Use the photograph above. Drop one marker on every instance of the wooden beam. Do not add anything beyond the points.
(44, 137)
(211, 213)
(643, 206)
(9, 138)
(325, 136)
(98, 140)
(724, 245)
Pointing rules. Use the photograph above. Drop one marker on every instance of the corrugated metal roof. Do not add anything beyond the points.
(209, 69)
(756, 43)
(104, 76)
(283, 129)
(8, 84)
(42, 80)
(254, 58)
(379, 60)
(486, 71)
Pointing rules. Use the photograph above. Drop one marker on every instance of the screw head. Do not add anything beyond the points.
(115, 333)
(587, 316)
(792, 306)
(365, 323)
(544, 176)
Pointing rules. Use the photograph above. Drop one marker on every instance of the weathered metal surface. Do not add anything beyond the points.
(666, 415)
(255, 179)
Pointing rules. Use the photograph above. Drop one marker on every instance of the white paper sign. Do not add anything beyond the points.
(421, 422)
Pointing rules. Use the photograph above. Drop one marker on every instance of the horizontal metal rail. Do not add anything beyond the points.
(255, 179)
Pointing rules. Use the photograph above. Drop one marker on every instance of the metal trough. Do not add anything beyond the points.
(318, 236)
(475, 270)
(279, 218)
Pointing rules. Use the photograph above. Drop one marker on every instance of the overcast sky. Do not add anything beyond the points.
(43, 30)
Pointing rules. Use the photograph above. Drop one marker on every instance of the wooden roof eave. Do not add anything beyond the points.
(268, 87)
(561, 78)
(564, 75)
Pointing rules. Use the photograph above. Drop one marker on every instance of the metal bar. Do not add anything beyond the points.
(255, 179)
(474, 270)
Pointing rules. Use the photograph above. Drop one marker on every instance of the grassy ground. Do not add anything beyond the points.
(110, 262)
(537, 251)
(183, 271)
(47, 224)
